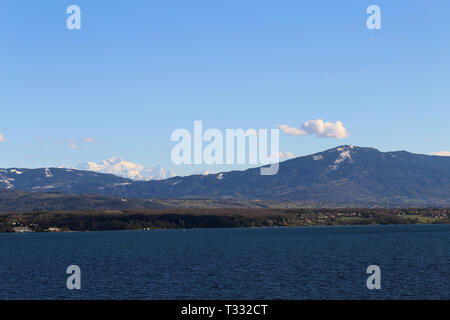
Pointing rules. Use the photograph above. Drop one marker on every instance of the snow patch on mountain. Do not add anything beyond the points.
(126, 169)
(344, 155)
(48, 173)
(6, 182)
(318, 158)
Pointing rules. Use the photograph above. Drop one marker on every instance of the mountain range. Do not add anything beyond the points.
(122, 168)
(346, 175)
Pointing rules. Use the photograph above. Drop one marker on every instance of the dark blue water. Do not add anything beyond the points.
(271, 263)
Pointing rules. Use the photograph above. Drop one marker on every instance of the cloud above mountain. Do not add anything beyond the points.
(441, 153)
(76, 144)
(318, 128)
(287, 155)
(126, 169)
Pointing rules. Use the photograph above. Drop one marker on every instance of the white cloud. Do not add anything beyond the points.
(291, 131)
(287, 155)
(126, 169)
(319, 128)
(207, 172)
(281, 155)
(88, 140)
(2, 138)
(75, 144)
(441, 153)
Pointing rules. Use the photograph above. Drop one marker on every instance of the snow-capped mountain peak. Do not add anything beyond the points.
(120, 167)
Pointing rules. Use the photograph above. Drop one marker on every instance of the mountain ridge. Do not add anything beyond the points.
(345, 174)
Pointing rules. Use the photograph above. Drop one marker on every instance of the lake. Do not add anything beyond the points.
(266, 263)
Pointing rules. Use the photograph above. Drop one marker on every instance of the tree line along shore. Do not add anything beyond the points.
(213, 218)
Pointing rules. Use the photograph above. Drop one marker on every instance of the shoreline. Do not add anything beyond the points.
(236, 228)
(212, 218)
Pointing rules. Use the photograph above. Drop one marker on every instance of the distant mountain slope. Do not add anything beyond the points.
(56, 179)
(19, 201)
(343, 175)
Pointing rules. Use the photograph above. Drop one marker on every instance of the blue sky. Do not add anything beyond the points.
(137, 70)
